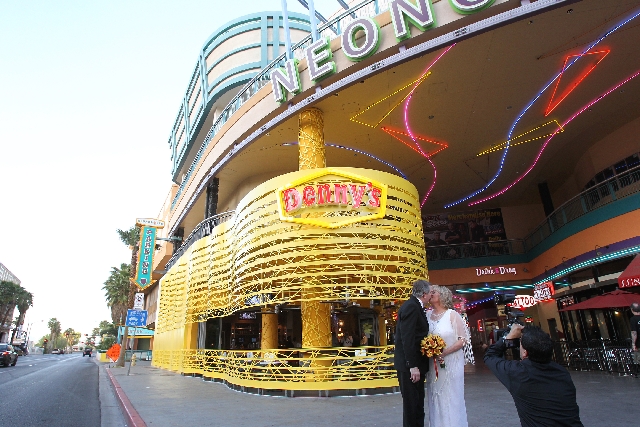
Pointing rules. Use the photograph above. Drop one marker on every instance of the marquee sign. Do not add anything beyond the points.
(320, 64)
(523, 301)
(543, 291)
(325, 199)
(150, 222)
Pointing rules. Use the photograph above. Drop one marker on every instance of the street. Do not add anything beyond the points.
(52, 390)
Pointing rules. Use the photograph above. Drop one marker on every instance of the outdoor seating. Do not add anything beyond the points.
(599, 355)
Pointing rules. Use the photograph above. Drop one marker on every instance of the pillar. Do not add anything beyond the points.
(316, 316)
(269, 336)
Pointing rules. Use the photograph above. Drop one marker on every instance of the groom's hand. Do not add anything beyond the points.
(415, 374)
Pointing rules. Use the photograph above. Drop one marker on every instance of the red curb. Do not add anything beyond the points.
(132, 417)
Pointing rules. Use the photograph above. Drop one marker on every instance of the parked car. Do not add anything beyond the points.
(56, 351)
(8, 355)
(87, 351)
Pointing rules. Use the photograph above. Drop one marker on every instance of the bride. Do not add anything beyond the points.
(446, 394)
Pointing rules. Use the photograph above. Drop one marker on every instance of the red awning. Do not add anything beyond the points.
(631, 275)
(613, 299)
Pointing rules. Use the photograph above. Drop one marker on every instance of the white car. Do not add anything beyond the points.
(57, 351)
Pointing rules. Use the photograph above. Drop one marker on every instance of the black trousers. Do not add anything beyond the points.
(412, 400)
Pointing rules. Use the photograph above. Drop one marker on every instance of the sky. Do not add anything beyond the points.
(89, 91)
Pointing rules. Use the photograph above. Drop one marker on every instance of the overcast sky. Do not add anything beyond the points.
(88, 93)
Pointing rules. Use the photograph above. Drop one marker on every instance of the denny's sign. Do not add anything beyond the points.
(332, 198)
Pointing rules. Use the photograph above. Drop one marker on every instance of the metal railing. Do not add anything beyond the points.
(367, 8)
(608, 191)
(614, 357)
(292, 369)
(202, 230)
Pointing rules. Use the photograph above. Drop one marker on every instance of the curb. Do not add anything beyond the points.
(131, 416)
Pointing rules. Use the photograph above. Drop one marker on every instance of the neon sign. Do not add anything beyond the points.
(523, 301)
(320, 64)
(325, 199)
(543, 291)
(495, 270)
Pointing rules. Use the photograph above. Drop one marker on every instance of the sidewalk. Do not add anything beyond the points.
(163, 398)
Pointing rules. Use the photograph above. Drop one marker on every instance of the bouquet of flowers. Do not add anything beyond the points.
(432, 346)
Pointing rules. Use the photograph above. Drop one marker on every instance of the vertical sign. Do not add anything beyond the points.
(149, 226)
(145, 257)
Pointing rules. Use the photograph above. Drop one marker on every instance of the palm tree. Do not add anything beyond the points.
(9, 292)
(131, 238)
(117, 288)
(54, 329)
(24, 300)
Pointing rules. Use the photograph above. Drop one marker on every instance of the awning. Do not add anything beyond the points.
(613, 299)
(631, 275)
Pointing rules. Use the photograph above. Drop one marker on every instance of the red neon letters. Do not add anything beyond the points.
(332, 194)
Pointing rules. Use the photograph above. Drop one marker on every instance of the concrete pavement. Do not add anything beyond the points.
(163, 398)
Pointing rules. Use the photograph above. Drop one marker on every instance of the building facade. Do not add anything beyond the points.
(487, 146)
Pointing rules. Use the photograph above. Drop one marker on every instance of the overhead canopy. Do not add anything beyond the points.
(631, 275)
(613, 299)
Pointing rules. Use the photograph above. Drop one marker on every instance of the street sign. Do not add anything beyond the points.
(138, 301)
(136, 318)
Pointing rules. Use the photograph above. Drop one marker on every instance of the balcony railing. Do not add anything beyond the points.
(331, 29)
(608, 191)
(202, 230)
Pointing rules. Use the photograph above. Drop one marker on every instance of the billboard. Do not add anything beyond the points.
(482, 225)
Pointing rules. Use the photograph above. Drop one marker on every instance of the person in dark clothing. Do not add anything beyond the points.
(635, 334)
(452, 236)
(476, 232)
(408, 360)
(542, 390)
(436, 241)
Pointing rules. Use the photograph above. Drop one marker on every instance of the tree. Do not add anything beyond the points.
(54, 330)
(72, 337)
(117, 288)
(105, 329)
(24, 300)
(8, 299)
(129, 238)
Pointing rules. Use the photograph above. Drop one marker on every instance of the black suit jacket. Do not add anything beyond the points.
(411, 328)
(544, 393)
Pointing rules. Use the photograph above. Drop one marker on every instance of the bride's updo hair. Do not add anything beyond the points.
(446, 297)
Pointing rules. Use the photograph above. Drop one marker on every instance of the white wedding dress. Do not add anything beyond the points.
(446, 395)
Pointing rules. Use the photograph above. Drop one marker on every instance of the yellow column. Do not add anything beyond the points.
(269, 337)
(311, 140)
(316, 316)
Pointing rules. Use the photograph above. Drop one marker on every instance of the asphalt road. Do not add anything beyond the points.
(49, 390)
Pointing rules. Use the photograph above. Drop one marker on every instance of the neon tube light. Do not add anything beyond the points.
(406, 124)
(416, 83)
(551, 137)
(288, 144)
(572, 87)
(500, 146)
(617, 254)
(506, 150)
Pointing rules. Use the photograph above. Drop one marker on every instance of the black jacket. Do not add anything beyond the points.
(544, 393)
(411, 328)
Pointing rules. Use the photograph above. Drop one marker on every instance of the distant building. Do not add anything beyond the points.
(5, 329)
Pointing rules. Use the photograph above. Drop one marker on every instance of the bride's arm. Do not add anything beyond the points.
(458, 326)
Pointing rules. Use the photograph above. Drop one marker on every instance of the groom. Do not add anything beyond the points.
(411, 365)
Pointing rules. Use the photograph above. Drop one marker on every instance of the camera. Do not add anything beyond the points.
(514, 344)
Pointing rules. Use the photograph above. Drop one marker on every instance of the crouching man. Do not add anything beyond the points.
(542, 390)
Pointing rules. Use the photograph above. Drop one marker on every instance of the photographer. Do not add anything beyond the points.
(542, 390)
